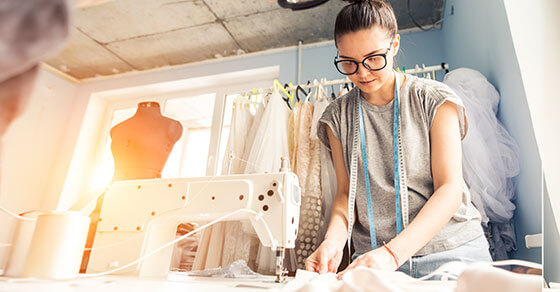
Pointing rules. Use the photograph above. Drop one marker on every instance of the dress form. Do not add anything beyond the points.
(140, 146)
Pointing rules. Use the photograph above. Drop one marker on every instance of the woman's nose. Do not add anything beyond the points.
(362, 71)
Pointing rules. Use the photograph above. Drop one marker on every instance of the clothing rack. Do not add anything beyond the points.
(417, 70)
(423, 69)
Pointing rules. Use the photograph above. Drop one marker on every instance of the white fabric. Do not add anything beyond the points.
(476, 277)
(241, 122)
(484, 278)
(490, 155)
(362, 279)
(271, 138)
(252, 133)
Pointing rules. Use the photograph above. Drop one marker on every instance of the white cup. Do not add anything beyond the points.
(22, 241)
(57, 246)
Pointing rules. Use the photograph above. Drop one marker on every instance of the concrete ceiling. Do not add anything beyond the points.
(121, 36)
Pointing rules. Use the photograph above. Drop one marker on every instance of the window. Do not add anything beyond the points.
(205, 114)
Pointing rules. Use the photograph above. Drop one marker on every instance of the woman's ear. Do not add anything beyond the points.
(396, 44)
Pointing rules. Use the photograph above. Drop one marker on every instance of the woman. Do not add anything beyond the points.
(420, 138)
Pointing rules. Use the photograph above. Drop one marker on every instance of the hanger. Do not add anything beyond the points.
(318, 91)
(278, 86)
(294, 92)
(333, 95)
(300, 89)
(289, 99)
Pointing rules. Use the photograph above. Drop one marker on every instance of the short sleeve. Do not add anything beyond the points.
(437, 95)
(330, 118)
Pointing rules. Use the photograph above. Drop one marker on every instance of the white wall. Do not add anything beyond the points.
(29, 152)
(535, 29)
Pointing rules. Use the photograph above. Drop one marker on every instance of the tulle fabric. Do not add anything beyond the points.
(490, 159)
(490, 155)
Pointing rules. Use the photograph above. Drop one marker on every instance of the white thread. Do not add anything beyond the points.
(16, 215)
(144, 257)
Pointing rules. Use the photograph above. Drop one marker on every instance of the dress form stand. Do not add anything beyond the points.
(140, 146)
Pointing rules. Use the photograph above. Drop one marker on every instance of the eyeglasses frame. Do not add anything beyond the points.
(384, 55)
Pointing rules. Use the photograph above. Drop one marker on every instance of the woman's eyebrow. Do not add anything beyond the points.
(370, 53)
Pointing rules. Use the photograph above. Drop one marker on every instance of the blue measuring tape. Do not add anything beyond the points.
(398, 211)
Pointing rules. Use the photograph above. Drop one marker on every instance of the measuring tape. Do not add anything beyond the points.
(401, 190)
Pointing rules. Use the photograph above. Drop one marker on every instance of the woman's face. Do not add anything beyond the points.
(363, 43)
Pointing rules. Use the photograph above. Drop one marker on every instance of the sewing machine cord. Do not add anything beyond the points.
(144, 257)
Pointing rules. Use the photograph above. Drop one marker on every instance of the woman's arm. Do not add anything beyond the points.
(447, 175)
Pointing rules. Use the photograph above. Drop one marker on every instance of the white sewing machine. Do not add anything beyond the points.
(145, 214)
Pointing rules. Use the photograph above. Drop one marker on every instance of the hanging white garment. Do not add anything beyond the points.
(241, 122)
(490, 155)
(269, 146)
(271, 138)
(252, 134)
(212, 253)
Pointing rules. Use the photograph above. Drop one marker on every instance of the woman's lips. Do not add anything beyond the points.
(367, 82)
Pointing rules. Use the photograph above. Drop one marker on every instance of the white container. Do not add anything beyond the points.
(22, 241)
(57, 246)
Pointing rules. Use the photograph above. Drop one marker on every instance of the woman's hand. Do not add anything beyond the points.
(326, 258)
(378, 259)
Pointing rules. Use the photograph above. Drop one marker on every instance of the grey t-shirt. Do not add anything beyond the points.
(419, 101)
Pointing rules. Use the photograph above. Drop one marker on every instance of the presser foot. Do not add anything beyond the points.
(281, 272)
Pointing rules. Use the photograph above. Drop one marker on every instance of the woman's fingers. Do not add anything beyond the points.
(348, 268)
(311, 265)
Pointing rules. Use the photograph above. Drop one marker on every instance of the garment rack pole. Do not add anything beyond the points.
(417, 70)
(420, 70)
(300, 44)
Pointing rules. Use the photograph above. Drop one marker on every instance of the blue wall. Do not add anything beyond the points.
(416, 48)
(477, 36)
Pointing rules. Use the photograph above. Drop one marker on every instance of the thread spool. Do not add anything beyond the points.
(57, 245)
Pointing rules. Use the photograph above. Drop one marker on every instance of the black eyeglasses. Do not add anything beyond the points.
(374, 62)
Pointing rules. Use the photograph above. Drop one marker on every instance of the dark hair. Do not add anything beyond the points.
(363, 14)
